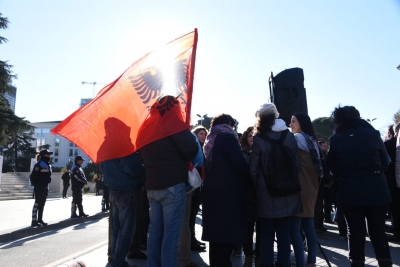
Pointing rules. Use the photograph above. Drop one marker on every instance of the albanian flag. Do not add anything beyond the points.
(151, 100)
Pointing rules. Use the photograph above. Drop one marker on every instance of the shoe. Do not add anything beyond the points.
(197, 247)
(393, 238)
(137, 255)
(42, 223)
(73, 216)
(329, 221)
(103, 210)
(192, 264)
(84, 215)
(35, 223)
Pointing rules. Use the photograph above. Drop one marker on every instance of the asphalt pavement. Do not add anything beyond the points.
(16, 219)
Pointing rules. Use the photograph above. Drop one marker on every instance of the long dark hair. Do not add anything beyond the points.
(306, 124)
(265, 122)
(243, 139)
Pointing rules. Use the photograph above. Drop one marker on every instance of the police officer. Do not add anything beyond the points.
(78, 180)
(40, 178)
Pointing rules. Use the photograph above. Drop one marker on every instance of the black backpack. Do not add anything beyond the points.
(281, 176)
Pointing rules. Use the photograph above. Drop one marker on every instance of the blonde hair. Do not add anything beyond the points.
(38, 157)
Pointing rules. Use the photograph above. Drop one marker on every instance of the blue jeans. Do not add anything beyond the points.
(268, 228)
(307, 225)
(167, 209)
(123, 224)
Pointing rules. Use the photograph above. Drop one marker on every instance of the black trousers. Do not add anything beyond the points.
(327, 203)
(319, 213)
(65, 189)
(394, 208)
(196, 200)
(141, 198)
(77, 199)
(40, 198)
(375, 217)
(220, 254)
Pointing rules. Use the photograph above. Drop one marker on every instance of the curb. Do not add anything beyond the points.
(30, 231)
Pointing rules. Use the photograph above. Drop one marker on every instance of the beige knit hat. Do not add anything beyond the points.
(267, 108)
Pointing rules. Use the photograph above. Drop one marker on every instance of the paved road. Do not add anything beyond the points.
(42, 249)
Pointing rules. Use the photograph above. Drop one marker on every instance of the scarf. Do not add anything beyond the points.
(209, 143)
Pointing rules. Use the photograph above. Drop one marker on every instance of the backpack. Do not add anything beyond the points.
(281, 177)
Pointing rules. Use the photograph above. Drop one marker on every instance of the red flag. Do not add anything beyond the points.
(151, 100)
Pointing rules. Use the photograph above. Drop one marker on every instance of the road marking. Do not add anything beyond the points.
(77, 254)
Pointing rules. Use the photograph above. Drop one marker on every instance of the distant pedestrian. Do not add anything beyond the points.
(359, 159)
(78, 181)
(66, 177)
(123, 176)
(105, 200)
(40, 178)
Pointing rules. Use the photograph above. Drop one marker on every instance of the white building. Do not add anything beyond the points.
(64, 150)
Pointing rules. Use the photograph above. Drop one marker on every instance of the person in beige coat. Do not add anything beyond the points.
(307, 142)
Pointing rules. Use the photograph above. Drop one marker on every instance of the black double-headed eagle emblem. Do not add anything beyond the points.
(150, 83)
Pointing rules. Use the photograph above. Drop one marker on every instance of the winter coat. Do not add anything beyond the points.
(66, 177)
(267, 205)
(358, 158)
(390, 146)
(126, 173)
(251, 194)
(309, 184)
(224, 193)
(165, 160)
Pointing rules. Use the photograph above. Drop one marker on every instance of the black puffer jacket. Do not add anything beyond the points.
(359, 159)
(165, 160)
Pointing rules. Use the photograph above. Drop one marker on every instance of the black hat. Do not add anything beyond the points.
(78, 158)
(45, 152)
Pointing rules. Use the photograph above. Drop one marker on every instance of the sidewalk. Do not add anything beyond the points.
(16, 216)
(334, 248)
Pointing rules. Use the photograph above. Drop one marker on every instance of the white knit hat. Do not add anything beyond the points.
(267, 108)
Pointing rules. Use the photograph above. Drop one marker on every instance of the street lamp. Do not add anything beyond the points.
(201, 118)
(94, 85)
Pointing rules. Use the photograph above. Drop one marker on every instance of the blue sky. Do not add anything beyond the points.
(349, 51)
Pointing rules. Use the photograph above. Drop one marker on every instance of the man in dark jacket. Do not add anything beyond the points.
(123, 176)
(40, 178)
(394, 206)
(66, 177)
(78, 181)
(165, 161)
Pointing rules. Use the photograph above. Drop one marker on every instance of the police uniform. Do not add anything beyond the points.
(78, 181)
(40, 178)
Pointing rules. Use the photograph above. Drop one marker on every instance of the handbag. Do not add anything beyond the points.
(194, 179)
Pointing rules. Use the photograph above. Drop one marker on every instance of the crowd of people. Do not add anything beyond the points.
(272, 181)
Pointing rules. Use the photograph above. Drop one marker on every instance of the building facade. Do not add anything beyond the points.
(84, 101)
(64, 150)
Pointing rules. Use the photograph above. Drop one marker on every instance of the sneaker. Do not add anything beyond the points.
(73, 216)
(84, 215)
(35, 223)
(42, 223)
